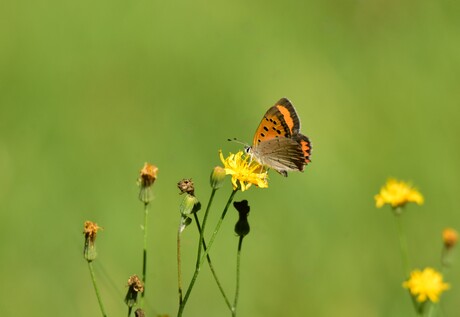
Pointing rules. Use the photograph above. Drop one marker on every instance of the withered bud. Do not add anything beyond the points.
(186, 186)
(139, 313)
(148, 175)
(135, 287)
(449, 237)
(90, 232)
(242, 225)
(217, 177)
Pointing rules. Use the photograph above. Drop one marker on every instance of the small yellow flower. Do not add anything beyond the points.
(397, 194)
(426, 284)
(244, 170)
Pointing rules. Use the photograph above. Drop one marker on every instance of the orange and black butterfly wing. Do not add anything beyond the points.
(280, 121)
(305, 146)
(278, 143)
(281, 154)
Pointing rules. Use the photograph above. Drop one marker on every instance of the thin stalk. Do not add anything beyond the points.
(144, 260)
(214, 274)
(93, 278)
(402, 245)
(205, 218)
(205, 253)
(237, 290)
(179, 271)
(405, 254)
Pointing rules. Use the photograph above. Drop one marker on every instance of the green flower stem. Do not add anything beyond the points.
(203, 257)
(402, 244)
(144, 260)
(93, 278)
(405, 255)
(431, 309)
(214, 274)
(179, 271)
(205, 218)
(237, 290)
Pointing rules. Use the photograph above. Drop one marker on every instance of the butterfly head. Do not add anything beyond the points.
(248, 149)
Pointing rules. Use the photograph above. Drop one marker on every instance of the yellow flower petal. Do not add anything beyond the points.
(397, 194)
(245, 172)
(426, 284)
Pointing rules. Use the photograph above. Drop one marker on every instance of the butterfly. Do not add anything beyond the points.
(278, 143)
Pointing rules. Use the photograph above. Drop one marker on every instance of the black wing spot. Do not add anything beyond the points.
(278, 131)
(262, 135)
(265, 128)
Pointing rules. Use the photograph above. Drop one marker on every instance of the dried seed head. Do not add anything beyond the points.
(135, 287)
(186, 186)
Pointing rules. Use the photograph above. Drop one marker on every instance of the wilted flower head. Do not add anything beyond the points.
(90, 232)
(245, 172)
(135, 287)
(147, 177)
(397, 194)
(426, 284)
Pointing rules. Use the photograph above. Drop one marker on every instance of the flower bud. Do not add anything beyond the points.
(242, 225)
(449, 237)
(189, 205)
(217, 177)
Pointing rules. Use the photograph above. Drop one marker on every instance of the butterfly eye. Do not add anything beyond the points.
(247, 149)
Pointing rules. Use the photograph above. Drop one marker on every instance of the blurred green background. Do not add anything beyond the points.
(90, 90)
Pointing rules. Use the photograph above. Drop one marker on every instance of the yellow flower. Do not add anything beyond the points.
(244, 170)
(426, 284)
(397, 194)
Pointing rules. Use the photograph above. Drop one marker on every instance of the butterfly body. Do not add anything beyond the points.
(278, 143)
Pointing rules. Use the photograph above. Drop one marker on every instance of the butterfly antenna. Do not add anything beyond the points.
(238, 141)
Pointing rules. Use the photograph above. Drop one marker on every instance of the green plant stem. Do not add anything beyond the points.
(205, 218)
(237, 289)
(179, 271)
(205, 253)
(431, 310)
(93, 278)
(214, 274)
(144, 260)
(405, 254)
(402, 245)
